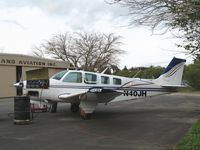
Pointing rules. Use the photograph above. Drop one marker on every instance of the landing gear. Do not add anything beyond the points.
(85, 116)
(87, 108)
(75, 107)
(53, 108)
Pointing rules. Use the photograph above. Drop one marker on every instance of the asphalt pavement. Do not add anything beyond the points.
(147, 124)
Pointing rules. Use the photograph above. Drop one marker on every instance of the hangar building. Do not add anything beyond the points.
(13, 68)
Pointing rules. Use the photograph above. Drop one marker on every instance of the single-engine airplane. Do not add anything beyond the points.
(85, 89)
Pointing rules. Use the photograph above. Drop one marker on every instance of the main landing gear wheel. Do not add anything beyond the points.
(85, 116)
(74, 108)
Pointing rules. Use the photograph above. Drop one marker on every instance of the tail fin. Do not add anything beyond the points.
(172, 75)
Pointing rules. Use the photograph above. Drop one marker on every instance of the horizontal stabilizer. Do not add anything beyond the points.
(174, 86)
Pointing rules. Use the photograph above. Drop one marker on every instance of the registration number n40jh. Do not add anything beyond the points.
(135, 93)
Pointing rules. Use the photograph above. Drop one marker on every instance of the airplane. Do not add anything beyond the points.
(84, 90)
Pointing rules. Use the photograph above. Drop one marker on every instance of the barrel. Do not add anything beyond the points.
(22, 110)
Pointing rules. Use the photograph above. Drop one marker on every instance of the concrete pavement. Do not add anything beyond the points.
(147, 124)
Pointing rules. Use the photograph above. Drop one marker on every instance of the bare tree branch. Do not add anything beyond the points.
(183, 15)
(90, 51)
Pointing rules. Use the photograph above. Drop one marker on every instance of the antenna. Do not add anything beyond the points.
(136, 74)
(104, 70)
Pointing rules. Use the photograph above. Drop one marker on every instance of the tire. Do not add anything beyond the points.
(53, 107)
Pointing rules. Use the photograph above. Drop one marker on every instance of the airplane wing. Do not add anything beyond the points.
(71, 95)
(89, 98)
(96, 92)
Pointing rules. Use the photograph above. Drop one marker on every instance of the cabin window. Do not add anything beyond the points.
(117, 81)
(73, 77)
(59, 75)
(105, 80)
(90, 78)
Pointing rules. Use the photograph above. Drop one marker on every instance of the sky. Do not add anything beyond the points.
(27, 23)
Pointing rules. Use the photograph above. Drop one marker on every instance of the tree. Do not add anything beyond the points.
(192, 74)
(90, 51)
(152, 72)
(141, 72)
(183, 15)
(197, 59)
(98, 50)
(125, 69)
(60, 46)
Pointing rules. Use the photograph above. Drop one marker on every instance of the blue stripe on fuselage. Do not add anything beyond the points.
(111, 89)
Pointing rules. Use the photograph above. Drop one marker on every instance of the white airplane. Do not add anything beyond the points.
(85, 90)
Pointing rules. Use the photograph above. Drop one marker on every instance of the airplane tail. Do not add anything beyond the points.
(172, 75)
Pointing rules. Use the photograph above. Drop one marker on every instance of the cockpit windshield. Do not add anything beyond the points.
(59, 75)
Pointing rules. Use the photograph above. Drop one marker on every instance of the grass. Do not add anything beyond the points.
(191, 141)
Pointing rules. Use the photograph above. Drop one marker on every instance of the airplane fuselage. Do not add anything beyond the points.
(73, 81)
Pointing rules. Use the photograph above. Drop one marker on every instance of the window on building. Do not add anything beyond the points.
(59, 75)
(73, 77)
(90, 78)
(105, 80)
(117, 81)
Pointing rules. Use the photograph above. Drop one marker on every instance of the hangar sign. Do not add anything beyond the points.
(24, 60)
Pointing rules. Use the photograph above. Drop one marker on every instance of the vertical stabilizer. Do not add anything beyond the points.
(172, 75)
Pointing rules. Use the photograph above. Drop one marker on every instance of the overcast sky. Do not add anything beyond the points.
(26, 23)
